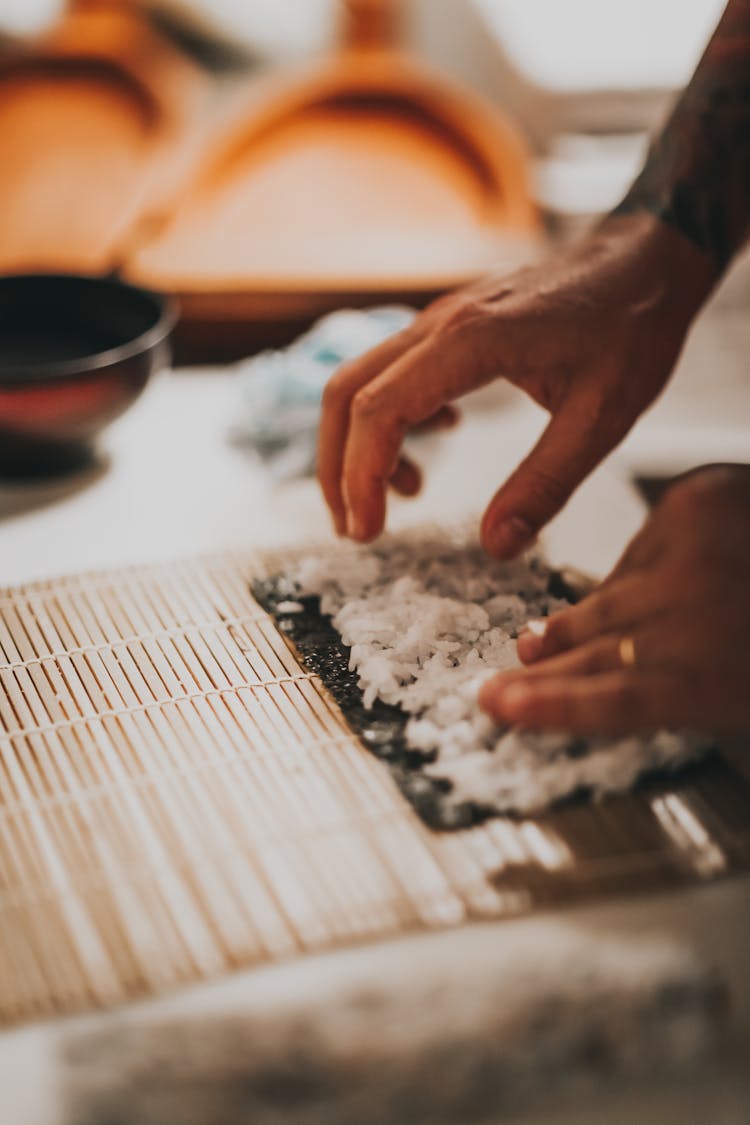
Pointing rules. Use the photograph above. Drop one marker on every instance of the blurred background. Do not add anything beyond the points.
(268, 162)
(586, 80)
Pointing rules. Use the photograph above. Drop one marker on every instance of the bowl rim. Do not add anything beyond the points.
(166, 315)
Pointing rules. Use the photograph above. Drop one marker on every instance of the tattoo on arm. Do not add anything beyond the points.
(697, 174)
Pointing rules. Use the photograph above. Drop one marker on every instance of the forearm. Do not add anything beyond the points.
(697, 174)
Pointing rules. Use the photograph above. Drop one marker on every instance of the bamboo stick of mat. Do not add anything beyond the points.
(179, 798)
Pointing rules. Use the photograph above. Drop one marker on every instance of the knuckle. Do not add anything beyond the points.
(559, 634)
(368, 404)
(440, 307)
(334, 392)
(720, 488)
(460, 315)
(599, 658)
(635, 550)
(545, 490)
(601, 415)
(604, 610)
(711, 484)
(684, 496)
(713, 478)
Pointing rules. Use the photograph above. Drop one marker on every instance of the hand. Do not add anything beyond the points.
(592, 335)
(680, 598)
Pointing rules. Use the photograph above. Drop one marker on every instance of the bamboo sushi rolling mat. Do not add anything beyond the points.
(179, 798)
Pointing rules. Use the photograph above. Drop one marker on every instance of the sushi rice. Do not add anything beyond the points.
(428, 617)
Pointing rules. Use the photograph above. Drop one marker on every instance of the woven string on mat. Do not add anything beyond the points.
(179, 798)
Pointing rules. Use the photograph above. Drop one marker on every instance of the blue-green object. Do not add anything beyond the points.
(280, 392)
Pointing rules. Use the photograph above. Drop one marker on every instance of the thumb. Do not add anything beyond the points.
(570, 447)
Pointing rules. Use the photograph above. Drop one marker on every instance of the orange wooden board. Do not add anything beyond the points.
(367, 178)
(93, 124)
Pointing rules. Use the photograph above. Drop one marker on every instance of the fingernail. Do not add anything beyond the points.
(514, 700)
(510, 537)
(492, 690)
(495, 693)
(355, 527)
(530, 643)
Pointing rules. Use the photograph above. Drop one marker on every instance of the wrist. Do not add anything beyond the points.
(666, 260)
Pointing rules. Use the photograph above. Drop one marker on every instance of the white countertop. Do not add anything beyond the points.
(169, 482)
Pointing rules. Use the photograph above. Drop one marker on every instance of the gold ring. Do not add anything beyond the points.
(626, 650)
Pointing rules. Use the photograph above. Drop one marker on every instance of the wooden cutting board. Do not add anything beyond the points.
(365, 178)
(97, 124)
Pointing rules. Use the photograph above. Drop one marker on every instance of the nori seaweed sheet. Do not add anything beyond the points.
(380, 728)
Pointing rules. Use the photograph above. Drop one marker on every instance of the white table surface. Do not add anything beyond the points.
(169, 483)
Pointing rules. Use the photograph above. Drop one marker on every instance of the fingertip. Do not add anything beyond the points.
(451, 416)
(335, 509)
(488, 694)
(408, 491)
(530, 644)
(514, 702)
(362, 529)
(504, 697)
(507, 537)
(491, 694)
(355, 527)
(446, 418)
(364, 507)
(489, 518)
(406, 478)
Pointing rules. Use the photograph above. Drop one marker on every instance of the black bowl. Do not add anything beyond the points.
(75, 352)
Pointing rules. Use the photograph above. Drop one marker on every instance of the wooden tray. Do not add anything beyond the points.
(179, 798)
(96, 130)
(368, 178)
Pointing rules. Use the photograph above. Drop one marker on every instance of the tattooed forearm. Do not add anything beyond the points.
(697, 175)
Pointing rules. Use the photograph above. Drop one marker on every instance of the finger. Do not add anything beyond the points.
(334, 420)
(567, 451)
(600, 655)
(614, 703)
(445, 418)
(642, 552)
(406, 478)
(610, 609)
(599, 608)
(411, 390)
